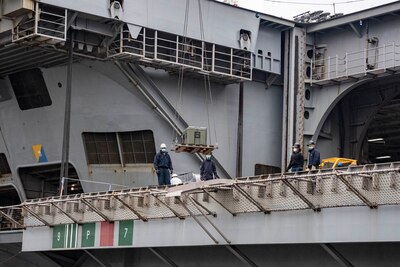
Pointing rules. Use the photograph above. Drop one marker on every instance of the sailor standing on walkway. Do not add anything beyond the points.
(208, 171)
(163, 166)
(314, 157)
(296, 159)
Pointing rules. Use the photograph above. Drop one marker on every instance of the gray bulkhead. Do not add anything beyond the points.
(368, 41)
(103, 100)
(110, 103)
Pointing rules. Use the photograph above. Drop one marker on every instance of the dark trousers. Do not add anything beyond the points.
(164, 177)
(297, 169)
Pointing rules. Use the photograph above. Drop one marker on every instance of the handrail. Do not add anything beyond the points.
(367, 185)
(168, 50)
(355, 63)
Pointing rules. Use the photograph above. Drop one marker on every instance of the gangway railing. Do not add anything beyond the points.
(372, 61)
(366, 185)
(173, 52)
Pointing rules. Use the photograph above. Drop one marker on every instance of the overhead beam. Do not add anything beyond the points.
(241, 256)
(336, 255)
(163, 257)
(53, 255)
(354, 17)
(96, 259)
(81, 260)
(83, 24)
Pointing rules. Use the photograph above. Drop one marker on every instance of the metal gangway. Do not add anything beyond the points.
(366, 185)
(374, 61)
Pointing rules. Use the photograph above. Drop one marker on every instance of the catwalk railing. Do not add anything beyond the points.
(372, 61)
(47, 25)
(367, 185)
(176, 52)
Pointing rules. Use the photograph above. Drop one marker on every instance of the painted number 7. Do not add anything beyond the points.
(126, 231)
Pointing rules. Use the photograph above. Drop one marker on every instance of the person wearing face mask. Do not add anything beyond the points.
(314, 157)
(208, 171)
(163, 166)
(296, 159)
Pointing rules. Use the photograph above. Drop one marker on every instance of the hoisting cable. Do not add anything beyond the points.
(180, 55)
(207, 82)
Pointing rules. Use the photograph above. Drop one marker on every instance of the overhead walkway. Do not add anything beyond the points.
(40, 35)
(367, 185)
(373, 62)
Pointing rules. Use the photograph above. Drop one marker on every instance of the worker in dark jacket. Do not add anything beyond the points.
(163, 166)
(296, 159)
(314, 157)
(208, 171)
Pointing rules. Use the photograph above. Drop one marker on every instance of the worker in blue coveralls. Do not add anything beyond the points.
(163, 166)
(208, 171)
(314, 157)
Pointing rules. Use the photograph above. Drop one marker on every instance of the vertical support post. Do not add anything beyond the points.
(239, 152)
(384, 57)
(231, 61)
(144, 42)
(336, 63)
(365, 61)
(155, 44)
(329, 67)
(37, 16)
(67, 118)
(121, 40)
(202, 55)
(177, 49)
(394, 55)
(251, 68)
(346, 59)
(213, 58)
(311, 71)
(65, 23)
(120, 150)
(285, 101)
(62, 186)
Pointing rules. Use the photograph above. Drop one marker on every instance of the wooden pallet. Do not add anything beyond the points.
(194, 148)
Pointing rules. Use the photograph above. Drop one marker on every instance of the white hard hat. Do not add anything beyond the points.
(163, 145)
(174, 175)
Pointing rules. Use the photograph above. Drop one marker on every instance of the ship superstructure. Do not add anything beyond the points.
(89, 89)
